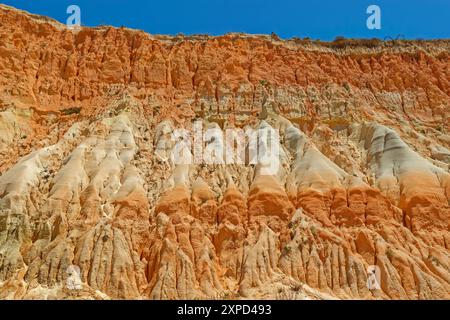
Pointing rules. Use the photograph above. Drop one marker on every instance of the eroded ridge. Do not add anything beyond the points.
(89, 188)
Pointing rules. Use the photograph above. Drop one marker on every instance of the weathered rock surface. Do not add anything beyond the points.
(86, 177)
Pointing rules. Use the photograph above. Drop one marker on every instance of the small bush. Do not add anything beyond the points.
(286, 250)
(291, 224)
(297, 287)
(435, 261)
(346, 86)
(274, 36)
(69, 111)
(341, 43)
(389, 253)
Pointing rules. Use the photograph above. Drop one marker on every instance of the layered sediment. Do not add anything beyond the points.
(86, 178)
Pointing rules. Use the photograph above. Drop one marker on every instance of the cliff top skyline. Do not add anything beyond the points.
(324, 20)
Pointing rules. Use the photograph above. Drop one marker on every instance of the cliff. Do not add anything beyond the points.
(85, 123)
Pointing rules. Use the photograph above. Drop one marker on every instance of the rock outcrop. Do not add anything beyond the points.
(93, 205)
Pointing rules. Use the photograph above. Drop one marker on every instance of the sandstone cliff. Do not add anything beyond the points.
(85, 121)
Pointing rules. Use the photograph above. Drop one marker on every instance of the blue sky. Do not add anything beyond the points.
(325, 19)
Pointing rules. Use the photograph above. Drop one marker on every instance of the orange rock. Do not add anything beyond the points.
(87, 182)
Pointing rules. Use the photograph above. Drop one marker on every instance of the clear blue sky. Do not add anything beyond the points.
(323, 19)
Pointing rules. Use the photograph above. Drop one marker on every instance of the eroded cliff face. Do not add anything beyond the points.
(85, 132)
